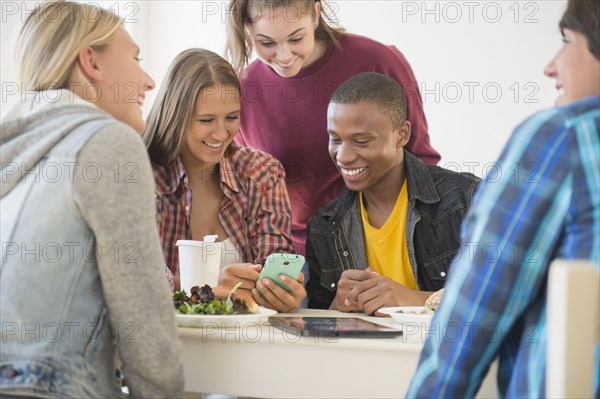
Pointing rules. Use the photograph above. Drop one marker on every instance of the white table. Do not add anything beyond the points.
(262, 361)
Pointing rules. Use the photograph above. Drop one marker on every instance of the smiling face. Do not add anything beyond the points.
(215, 121)
(365, 146)
(284, 39)
(576, 70)
(122, 87)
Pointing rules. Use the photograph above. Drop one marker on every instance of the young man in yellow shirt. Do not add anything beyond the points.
(388, 239)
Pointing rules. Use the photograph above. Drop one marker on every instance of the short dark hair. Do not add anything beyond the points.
(375, 88)
(583, 16)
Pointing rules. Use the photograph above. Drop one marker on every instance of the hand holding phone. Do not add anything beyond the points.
(276, 264)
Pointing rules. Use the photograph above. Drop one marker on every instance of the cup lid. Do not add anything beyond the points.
(195, 243)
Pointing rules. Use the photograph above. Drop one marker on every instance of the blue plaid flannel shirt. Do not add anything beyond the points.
(540, 202)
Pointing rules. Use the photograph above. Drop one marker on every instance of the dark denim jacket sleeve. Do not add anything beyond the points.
(335, 242)
(437, 235)
(317, 239)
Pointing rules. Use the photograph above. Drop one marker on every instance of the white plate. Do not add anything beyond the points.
(232, 320)
(409, 314)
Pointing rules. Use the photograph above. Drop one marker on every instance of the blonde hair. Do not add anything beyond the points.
(52, 36)
(238, 48)
(190, 72)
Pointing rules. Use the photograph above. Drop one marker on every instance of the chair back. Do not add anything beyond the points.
(573, 328)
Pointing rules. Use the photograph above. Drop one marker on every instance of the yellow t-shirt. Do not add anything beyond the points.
(387, 252)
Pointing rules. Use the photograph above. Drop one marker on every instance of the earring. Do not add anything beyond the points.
(316, 25)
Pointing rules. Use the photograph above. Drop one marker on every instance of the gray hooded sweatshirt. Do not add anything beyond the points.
(117, 208)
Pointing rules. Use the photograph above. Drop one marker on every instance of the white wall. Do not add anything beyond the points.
(479, 63)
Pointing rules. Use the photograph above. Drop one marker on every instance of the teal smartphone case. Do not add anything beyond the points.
(276, 264)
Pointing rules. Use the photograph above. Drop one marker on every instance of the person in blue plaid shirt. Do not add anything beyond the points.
(543, 204)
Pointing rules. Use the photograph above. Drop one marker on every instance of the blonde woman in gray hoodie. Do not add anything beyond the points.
(82, 282)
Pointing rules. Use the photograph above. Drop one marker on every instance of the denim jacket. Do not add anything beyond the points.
(438, 200)
(61, 347)
(82, 284)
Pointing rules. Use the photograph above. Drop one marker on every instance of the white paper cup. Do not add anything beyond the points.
(199, 263)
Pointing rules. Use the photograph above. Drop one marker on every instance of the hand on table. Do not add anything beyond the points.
(375, 292)
(348, 280)
(276, 297)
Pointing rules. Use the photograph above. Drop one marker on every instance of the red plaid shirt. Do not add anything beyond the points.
(255, 211)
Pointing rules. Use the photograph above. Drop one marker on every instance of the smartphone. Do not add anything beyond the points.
(331, 327)
(276, 264)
